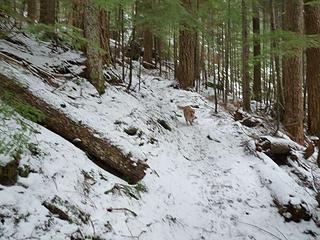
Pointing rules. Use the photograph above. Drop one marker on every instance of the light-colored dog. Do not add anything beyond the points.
(189, 113)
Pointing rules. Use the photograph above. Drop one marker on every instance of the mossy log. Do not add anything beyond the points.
(100, 150)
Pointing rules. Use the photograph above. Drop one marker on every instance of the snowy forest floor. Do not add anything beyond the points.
(201, 183)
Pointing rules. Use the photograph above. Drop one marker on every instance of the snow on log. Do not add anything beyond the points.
(101, 151)
(277, 145)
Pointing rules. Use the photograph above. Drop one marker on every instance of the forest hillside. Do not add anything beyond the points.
(151, 120)
(204, 181)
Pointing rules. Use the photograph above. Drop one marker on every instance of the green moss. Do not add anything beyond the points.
(24, 109)
(141, 187)
(130, 191)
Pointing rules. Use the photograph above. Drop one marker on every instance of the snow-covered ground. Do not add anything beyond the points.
(201, 183)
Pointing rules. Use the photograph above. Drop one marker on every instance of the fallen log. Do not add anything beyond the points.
(279, 145)
(15, 60)
(278, 149)
(99, 150)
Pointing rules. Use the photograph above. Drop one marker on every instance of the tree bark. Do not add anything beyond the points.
(256, 54)
(227, 55)
(148, 48)
(245, 59)
(48, 12)
(92, 32)
(32, 8)
(186, 59)
(276, 59)
(77, 14)
(312, 23)
(187, 44)
(293, 73)
(175, 54)
(100, 150)
(104, 38)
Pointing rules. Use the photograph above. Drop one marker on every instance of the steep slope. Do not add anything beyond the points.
(201, 184)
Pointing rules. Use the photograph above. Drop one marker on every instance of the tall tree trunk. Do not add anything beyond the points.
(227, 55)
(148, 38)
(196, 51)
(280, 101)
(104, 38)
(312, 23)
(245, 58)
(187, 44)
(175, 54)
(256, 53)
(159, 53)
(196, 62)
(77, 13)
(148, 48)
(32, 8)
(293, 73)
(48, 11)
(92, 33)
(202, 62)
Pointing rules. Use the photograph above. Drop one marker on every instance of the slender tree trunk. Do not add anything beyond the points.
(92, 32)
(159, 53)
(175, 54)
(256, 54)
(148, 38)
(148, 48)
(312, 23)
(77, 13)
(117, 32)
(197, 68)
(32, 8)
(202, 61)
(104, 38)
(292, 73)
(245, 59)
(227, 55)
(213, 63)
(132, 51)
(48, 12)
(196, 61)
(121, 22)
(276, 59)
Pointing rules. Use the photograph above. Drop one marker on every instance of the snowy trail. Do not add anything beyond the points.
(225, 192)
